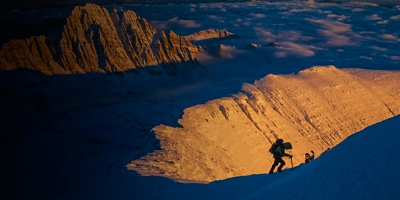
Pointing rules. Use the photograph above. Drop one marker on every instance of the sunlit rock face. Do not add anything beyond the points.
(95, 40)
(315, 109)
(31, 53)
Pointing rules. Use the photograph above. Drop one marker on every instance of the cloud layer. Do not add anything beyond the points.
(317, 31)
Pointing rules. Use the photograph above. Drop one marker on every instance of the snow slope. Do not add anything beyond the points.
(364, 166)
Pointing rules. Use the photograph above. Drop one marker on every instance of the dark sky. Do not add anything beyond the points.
(37, 4)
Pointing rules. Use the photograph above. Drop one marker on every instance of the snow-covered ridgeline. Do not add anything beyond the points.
(315, 110)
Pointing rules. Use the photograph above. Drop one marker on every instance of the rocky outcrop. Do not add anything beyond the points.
(209, 34)
(32, 53)
(315, 109)
(173, 50)
(95, 40)
(137, 36)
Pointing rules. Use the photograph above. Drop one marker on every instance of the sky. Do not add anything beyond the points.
(12, 5)
(98, 124)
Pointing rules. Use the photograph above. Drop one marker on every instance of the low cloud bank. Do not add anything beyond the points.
(377, 2)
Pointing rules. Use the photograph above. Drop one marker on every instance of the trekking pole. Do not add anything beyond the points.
(291, 161)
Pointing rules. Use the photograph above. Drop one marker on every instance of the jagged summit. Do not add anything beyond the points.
(95, 40)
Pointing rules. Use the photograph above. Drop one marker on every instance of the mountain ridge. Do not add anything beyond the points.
(315, 110)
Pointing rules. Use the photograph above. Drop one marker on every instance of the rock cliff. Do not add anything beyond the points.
(95, 40)
(315, 109)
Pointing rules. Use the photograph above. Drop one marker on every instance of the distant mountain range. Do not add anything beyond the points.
(95, 40)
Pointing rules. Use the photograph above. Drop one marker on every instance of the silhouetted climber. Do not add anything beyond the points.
(312, 155)
(309, 157)
(278, 151)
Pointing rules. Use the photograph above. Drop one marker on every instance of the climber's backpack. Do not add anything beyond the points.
(273, 148)
(287, 145)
